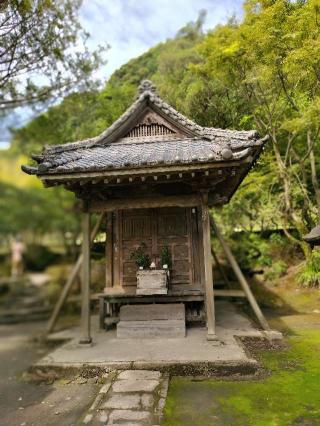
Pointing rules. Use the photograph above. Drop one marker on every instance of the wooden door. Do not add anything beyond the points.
(173, 230)
(135, 227)
(157, 228)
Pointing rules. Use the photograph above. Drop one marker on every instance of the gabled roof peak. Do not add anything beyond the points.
(146, 86)
(148, 98)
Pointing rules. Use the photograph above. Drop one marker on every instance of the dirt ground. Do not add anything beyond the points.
(23, 401)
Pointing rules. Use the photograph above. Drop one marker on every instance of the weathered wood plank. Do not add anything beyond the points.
(147, 202)
(211, 333)
(161, 298)
(109, 250)
(116, 249)
(85, 282)
(229, 293)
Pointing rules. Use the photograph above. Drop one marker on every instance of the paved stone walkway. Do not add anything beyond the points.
(131, 397)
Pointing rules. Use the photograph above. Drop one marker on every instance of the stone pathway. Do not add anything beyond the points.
(131, 397)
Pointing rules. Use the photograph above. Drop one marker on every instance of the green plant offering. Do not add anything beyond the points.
(165, 257)
(141, 258)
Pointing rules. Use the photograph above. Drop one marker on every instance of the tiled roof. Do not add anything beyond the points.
(101, 153)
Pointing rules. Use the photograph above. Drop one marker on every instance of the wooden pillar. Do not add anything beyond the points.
(85, 281)
(109, 251)
(209, 299)
(116, 249)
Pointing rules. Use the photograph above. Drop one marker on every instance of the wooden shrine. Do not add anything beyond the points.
(152, 176)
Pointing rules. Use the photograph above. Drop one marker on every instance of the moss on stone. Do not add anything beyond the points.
(288, 396)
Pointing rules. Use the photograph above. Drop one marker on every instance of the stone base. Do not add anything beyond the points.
(212, 338)
(152, 281)
(192, 355)
(151, 329)
(85, 342)
(152, 321)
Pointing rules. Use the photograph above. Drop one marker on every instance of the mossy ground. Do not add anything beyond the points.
(289, 394)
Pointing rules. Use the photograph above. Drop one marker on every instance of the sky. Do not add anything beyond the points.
(131, 27)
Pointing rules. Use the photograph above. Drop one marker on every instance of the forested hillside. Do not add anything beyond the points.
(241, 75)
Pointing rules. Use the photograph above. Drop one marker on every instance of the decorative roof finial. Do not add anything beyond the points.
(147, 86)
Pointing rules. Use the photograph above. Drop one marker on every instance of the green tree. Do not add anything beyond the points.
(43, 51)
(271, 61)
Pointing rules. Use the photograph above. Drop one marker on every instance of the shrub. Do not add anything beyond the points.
(309, 273)
(276, 270)
(38, 257)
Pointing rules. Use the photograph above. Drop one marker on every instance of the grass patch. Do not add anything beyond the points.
(290, 395)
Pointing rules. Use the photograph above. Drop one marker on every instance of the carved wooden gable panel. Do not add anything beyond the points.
(153, 125)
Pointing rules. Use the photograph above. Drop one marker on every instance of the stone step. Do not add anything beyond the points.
(17, 315)
(129, 397)
(151, 329)
(168, 311)
(152, 321)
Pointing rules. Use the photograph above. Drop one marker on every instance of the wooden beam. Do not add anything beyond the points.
(65, 291)
(241, 278)
(229, 293)
(85, 282)
(209, 299)
(139, 203)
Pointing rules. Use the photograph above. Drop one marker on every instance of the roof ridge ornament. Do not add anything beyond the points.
(147, 86)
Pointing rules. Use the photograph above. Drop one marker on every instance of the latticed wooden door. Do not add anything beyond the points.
(157, 228)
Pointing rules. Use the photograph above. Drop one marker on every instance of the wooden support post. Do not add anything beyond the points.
(65, 291)
(109, 250)
(243, 282)
(85, 282)
(102, 312)
(222, 272)
(206, 236)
